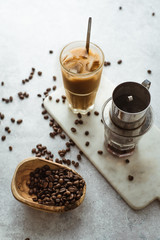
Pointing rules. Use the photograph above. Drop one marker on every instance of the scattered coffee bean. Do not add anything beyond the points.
(119, 61)
(79, 115)
(10, 98)
(88, 114)
(50, 98)
(127, 160)
(130, 178)
(149, 71)
(63, 97)
(39, 73)
(76, 164)
(6, 129)
(54, 78)
(12, 120)
(76, 121)
(54, 88)
(100, 152)
(57, 100)
(79, 157)
(46, 117)
(3, 138)
(80, 121)
(107, 63)
(120, 8)
(87, 144)
(2, 83)
(2, 116)
(39, 95)
(96, 113)
(10, 148)
(73, 129)
(86, 133)
(62, 136)
(80, 152)
(19, 121)
(27, 238)
(153, 14)
(50, 51)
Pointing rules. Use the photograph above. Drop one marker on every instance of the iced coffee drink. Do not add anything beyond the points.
(81, 75)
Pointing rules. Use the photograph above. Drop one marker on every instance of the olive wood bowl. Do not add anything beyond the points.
(20, 189)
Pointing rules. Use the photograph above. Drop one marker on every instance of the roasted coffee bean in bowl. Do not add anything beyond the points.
(47, 186)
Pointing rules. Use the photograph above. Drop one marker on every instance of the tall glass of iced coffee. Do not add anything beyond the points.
(81, 74)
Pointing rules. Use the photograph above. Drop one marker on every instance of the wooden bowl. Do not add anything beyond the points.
(20, 189)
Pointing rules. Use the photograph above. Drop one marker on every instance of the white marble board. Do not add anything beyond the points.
(144, 164)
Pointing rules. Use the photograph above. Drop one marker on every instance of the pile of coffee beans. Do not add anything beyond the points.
(60, 187)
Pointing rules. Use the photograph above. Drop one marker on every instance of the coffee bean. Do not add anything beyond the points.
(120, 8)
(119, 61)
(86, 133)
(2, 116)
(87, 144)
(79, 115)
(6, 128)
(2, 83)
(54, 78)
(149, 71)
(39, 95)
(3, 138)
(33, 150)
(96, 113)
(62, 136)
(57, 100)
(80, 121)
(10, 98)
(12, 120)
(68, 162)
(127, 161)
(19, 121)
(63, 97)
(39, 73)
(76, 121)
(73, 129)
(130, 177)
(100, 152)
(27, 238)
(10, 148)
(44, 112)
(50, 98)
(46, 117)
(50, 51)
(9, 131)
(79, 157)
(76, 164)
(153, 14)
(107, 64)
(54, 88)
(80, 152)
(23, 81)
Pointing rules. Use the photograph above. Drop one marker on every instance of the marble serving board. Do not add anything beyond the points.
(144, 164)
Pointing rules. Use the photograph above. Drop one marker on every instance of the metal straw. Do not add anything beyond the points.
(88, 34)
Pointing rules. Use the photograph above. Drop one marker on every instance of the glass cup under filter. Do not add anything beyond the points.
(118, 141)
